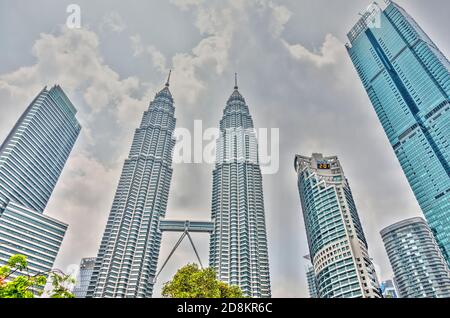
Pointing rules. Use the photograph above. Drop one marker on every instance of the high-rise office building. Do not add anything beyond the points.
(84, 277)
(238, 246)
(407, 79)
(312, 282)
(388, 290)
(337, 245)
(31, 160)
(420, 270)
(35, 151)
(30, 233)
(126, 262)
(311, 279)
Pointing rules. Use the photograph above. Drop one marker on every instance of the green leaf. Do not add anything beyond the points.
(24, 286)
(18, 262)
(192, 282)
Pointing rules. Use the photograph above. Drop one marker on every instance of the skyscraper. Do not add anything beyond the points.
(35, 151)
(311, 279)
(337, 245)
(388, 289)
(30, 233)
(407, 79)
(126, 263)
(420, 270)
(84, 277)
(238, 246)
(31, 160)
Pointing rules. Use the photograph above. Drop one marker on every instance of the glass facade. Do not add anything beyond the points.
(30, 233)
(407, 79)
(35, 151)
(420, 270)
(84, 277)
(388, 289)
(311, 278)
(238, 246)
(31, 160)
(337, 245)
(126, 262)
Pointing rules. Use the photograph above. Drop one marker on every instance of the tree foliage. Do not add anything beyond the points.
(16, 282)
(60, 281)
(192, 282)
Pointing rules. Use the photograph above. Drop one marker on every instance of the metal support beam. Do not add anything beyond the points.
(185, 227)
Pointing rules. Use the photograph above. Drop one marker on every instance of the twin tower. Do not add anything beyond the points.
(127, 259)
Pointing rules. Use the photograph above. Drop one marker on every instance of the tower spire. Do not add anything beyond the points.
(168, 79)
(235, 81)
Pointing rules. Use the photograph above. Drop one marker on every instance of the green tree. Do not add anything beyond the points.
(16, 282)
(192, 282)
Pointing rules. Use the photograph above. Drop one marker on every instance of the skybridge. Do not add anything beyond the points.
(184, 227)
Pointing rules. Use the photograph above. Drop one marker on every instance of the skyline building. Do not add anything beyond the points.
(311, 278)
(128, 255)
(337, 245)
(32, 158)
(420, 270)
(35, 151)
(388, 289)
(407, 79)
(84, 277)
(238, 245)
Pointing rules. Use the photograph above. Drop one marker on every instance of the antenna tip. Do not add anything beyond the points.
(168, 78)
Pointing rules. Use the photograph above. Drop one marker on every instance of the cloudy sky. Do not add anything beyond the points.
(293, 71)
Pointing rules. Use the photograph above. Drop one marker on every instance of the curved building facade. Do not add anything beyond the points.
(238, 246)
(337, 245)
(420, 270)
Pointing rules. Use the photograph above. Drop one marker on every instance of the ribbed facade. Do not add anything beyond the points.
(337, 245)
(84, 277)
(128, 255)
(30, 233)
(420, 270)
(312, 282)
(407, 79)
(35, 151)
(31, 160)
(238, 246)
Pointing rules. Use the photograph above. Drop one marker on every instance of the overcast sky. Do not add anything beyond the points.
(293, 71)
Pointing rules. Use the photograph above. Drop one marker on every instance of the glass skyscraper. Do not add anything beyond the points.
(388, 289)
(84, 277)
(31, 160)
(30, 233)
(126, 262)
(337, 245)
(420, 270)
(311, 279)
(238, 246)
(35, 151)
(407, 79)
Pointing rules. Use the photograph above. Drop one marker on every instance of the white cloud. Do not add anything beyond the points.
(137, 45)
(72, 59)
(278, 17)
(113, 21)
(185, 4)
(330, 53)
